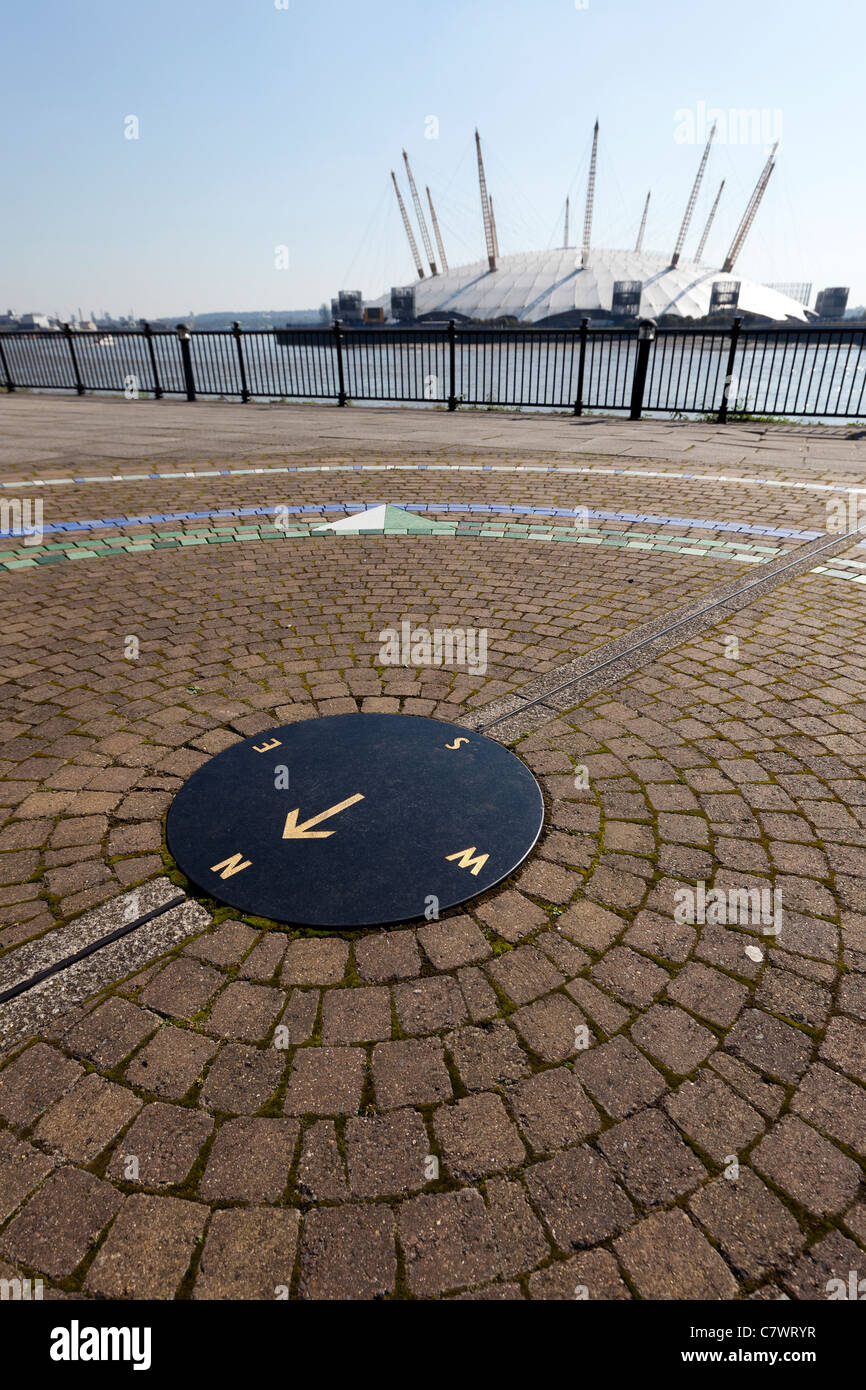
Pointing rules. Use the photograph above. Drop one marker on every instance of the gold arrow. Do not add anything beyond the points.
(293, 831)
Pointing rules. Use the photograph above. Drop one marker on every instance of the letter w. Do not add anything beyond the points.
(466, 860)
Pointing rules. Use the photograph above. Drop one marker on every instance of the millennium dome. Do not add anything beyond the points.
(555, 286)
(562, 286)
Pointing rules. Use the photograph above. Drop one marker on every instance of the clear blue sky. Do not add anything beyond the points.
(262, 126)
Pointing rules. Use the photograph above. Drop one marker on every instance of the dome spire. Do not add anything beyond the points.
(590, 198)
(693, 198)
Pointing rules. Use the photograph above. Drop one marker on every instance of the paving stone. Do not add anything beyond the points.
(249, 1253)
(387, 1154)
(164, 1141)
(34, 1080)
(549, 1027)
(766, 1096)
(148, 1250)
(806, 1166)
(713, 1116)
(477, 1137)
(727, 949)
(245, 1011)
(552, 1110)
(325, 1081)
(569, 958)
(667, 1258)
(578, 1198)
(347, 1252)
(770, 1045)
(171, 1062)
(627, 838)
(224, 945)
(478, 993)
(592, 1275)
(410, 1073)
(618, 1077)
(817, 970)
(590, 925)
(516, 1229)
(242, 1079)
(511, 915)
(298, 1019)
(427, 1006)
(447, 1242)
(456, 941)
(809, 935)
(661, 936)
(549, 881)
(249, 1160)
(855, 1220)
(321, 1173)
(781, 992)
(386, 956)
(362, 1014)
(751, 1227)
(673, 1038)
(60, 1223)
(844, 1046)
(604, 1012)
(315, 961)
(487, 1057)
(108, 1034)
(834, 1104)
(84, 1121)
(21, 1169)
(851, 998)
(653, 1163)
(576, 851)
(631, 977)
(824, 1271)
(611, 884)
(265, 959)
(182, 989)
(524, 974)
(708, 993)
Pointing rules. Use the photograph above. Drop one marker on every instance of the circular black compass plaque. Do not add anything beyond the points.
(355, 820)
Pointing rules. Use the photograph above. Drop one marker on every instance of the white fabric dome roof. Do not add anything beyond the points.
(536, 285)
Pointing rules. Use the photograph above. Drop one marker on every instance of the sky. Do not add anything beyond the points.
(267, 129)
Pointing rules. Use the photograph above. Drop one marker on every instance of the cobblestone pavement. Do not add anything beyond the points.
(572, 1085)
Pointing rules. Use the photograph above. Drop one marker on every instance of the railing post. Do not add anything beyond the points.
(581, 365)
(645, 334)
(148, 334)
(186, 358)
(338, 340)
(722, 417)
(7, 375)
(236, 332)
(452, 365)
(79, 384)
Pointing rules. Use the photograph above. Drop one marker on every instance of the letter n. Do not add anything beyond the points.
(230, 866)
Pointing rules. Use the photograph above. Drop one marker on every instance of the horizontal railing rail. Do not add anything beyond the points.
(725, 372)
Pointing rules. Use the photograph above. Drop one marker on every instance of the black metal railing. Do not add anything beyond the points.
(725, 372)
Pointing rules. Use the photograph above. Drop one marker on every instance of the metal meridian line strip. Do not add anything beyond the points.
(24, 985)
(771, 573)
